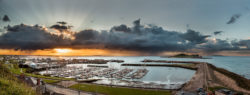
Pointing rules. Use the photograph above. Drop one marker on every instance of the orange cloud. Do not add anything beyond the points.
(71, 52)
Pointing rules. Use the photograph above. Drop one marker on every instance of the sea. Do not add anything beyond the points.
(171, 76)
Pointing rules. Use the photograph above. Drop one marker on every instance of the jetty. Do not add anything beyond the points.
(140, 73)
(192, 67)
(106, 72)
(166, 61)
(97, 66)
(94, 61)
(206, 76)
(120, 74)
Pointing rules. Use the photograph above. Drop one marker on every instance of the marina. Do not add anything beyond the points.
(138, 74)
(143, 74)
(124, 47)
(99, 72)
(120, 74)
(129, 74)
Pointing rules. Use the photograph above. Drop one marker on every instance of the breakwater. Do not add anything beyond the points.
(166, 61)
(165, 65)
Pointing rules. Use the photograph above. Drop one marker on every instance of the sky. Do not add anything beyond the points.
(210, 26)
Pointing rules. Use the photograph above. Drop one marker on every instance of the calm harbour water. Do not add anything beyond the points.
(236, 64)
(169, 75)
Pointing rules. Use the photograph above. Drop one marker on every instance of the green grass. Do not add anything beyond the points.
(47, 77)
(117, 90)
(13, 87)
(215, 88)
(50, 81)
(13, 68)
(10, 85)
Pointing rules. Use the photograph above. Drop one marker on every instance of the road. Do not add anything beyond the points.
(198, 80)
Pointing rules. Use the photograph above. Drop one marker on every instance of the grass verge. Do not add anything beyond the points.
(216, 88)
(13, 87)
(50, 81)
(47, 77)
(13, 68)
(117, 90)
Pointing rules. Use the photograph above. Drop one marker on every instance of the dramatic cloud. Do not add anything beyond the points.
(121, 28)
(26, 37)
(234, 18)
(61, 26)
(148, 38)
(195, 37)
(62, 22)
(216, 45)
(243, 44)
(217, 32)
(6, 18)
(144, 38)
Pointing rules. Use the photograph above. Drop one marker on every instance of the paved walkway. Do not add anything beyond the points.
(199, 80)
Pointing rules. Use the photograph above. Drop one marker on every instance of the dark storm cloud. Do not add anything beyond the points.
(149, 38)
(234, 18)
(152, 38)
(137, 25)
(144, 38)
(26, 37)
(217, 32)
(62, 22)
(195, 37)
(121, 28)
(243, 43)
(6, 18)
(61, 26)
(217, 45)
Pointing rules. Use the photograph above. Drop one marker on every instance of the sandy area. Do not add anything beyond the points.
(228, 82)
(207, 77)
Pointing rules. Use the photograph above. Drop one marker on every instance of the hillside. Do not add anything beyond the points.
(182, 55)
(10, 85)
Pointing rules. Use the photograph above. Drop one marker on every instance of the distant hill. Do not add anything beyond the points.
(217, 55)
(182, 55)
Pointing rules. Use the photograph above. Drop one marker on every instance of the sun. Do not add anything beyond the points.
(62, 50)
